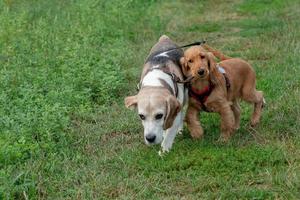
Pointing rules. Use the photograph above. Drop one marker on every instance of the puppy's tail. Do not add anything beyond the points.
(215, 52)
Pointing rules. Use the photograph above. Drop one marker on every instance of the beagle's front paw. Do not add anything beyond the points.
(165, 148)
(163, 152)
(160, 153)
(180, 131)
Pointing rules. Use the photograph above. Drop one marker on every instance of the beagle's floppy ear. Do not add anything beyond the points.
(131, 102)
(184, 66)
(173, 107)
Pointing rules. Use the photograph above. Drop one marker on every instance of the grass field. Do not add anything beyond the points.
(66, 66)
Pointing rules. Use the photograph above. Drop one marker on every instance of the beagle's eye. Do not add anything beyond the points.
(190, 61)
(158, 116)
(142, 117)
(202, 56)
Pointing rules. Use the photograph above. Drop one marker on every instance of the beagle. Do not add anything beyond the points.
(161, 97)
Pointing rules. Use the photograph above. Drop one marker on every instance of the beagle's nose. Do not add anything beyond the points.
(150, 138)
(201, 72)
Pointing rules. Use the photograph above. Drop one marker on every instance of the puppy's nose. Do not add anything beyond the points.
(201, 72)
(150, 138)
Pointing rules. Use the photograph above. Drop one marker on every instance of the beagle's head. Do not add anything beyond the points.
(197, 63)
(157, 109)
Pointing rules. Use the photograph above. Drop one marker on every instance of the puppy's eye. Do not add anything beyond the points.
(158, 116)
(142, 117)
(190, 61)
(202, 56)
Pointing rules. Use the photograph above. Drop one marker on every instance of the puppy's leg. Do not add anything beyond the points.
(255, 97)
(227, 123)
(237, 112)
(170, 134)
(251, 95)
(258, 105)
(193, 122)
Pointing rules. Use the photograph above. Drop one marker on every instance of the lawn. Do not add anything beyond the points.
(66, 66)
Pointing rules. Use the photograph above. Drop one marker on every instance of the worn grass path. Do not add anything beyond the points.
(100, 153)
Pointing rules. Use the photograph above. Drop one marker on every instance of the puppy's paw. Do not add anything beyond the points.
(197, 133)
(254, 122)
(223, 139)
(237, 127)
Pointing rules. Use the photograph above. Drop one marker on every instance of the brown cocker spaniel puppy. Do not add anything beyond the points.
(218, 88)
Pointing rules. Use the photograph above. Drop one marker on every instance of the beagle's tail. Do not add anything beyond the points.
(215, 52)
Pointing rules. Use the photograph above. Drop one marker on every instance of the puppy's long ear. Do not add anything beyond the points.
(184, 66)
(212, 66)
(211, 61)
(131, 102)
(173, 107)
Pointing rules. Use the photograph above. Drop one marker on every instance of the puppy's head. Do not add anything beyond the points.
(197, 63)
(157, 109)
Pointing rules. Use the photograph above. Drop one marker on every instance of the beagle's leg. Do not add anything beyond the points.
(227, 123)
(170, 133)
(184, 108)
(193, 122)
(180, 128)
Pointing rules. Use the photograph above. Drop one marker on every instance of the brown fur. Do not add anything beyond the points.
(242, 86)
(215, 52)
(173, 107)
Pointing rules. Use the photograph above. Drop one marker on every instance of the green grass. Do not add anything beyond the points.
(67, 65)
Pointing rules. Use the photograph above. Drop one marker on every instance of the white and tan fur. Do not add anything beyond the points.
(158, 107)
